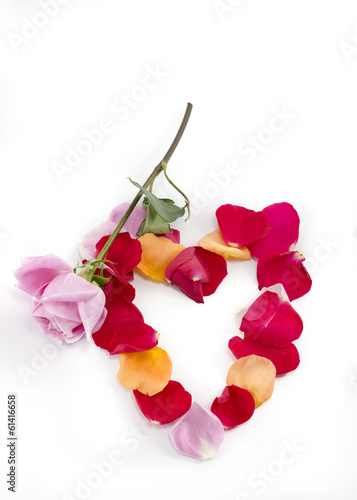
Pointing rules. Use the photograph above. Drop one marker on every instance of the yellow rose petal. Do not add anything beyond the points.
(147, 371)
(254, 373)
(157, 253)
(216, 244)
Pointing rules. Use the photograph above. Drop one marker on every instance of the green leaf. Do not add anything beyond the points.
(164, 208)
(153, 223)
(100, 280)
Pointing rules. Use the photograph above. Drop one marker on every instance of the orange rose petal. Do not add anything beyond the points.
(157, 253)
(254, 373)
(216, 244)
(146, 371)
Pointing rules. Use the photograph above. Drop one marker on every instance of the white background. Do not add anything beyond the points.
(236, 68)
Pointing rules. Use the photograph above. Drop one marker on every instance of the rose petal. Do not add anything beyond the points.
(157, 253)
(272, 321)
(287, 269)
(165, 406)
(196, 272)
(124, 253)
(234, 407)
(174, 236)
(134, 220)
(124, 329)
(284, 221)
(36, 272)
(86, 246)
(241, 227)
(285, 359)
(78, 302)
(254, 373)
(147, 371)
(216, 244)
(198, 434)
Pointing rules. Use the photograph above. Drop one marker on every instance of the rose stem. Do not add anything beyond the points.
(157, 170)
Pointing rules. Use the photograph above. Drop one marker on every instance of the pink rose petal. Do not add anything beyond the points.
(198, 434)
(134, 220)
(174, 236)
(89, 240)
(285, 359)
(241, 227)
(36, 272)
(287, 269)
(234, 407)
(284, 221)
(165, 406)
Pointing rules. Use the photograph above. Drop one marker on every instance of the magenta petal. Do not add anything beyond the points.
(192, 289)
(287, 269)
(241, 227)
(174, 236)
(272, 321)
(36, 272)
(217, 266)
(285, 359)
(165, 406)
(234, 407)
(134, 220)
(284, 221)
(198, 434)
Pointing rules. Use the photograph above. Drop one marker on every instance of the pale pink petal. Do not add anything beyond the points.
(198, 434)
(89, 240)
(36, 272)
(134, 220)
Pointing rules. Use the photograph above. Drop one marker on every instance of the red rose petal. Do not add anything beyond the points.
(124, 329)
(117, 285)
(234, 407)
(241, 227)
(217, 266)
(272, 321)
(287, 269)
(165, 406)
(284, 221)
(285, 359)
(125, 252)
(196, 272)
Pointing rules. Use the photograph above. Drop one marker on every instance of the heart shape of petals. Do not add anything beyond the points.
(234, 407)
(197, 272)
(284, 221)
(165, 406)
(241, 227)
(285, 360)
(216, 244)
(287, 269)
(198, 434)
(157, 253)
(124, 253)
(147, 371)
(256, 374)
(272, 321)
(124, 329)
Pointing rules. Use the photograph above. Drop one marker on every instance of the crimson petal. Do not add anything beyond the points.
(125, 252)
(196, 272)
(272, 321)
(165, 406)
(241, 227)
(285, 359)
(234, 407)
(284, 221)
(287, 269)
(174, 236)
(124, 329)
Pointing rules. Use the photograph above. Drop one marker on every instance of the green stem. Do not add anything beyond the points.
(187, 205)
(157, 170)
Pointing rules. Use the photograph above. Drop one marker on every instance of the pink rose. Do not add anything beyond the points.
(66, 306)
